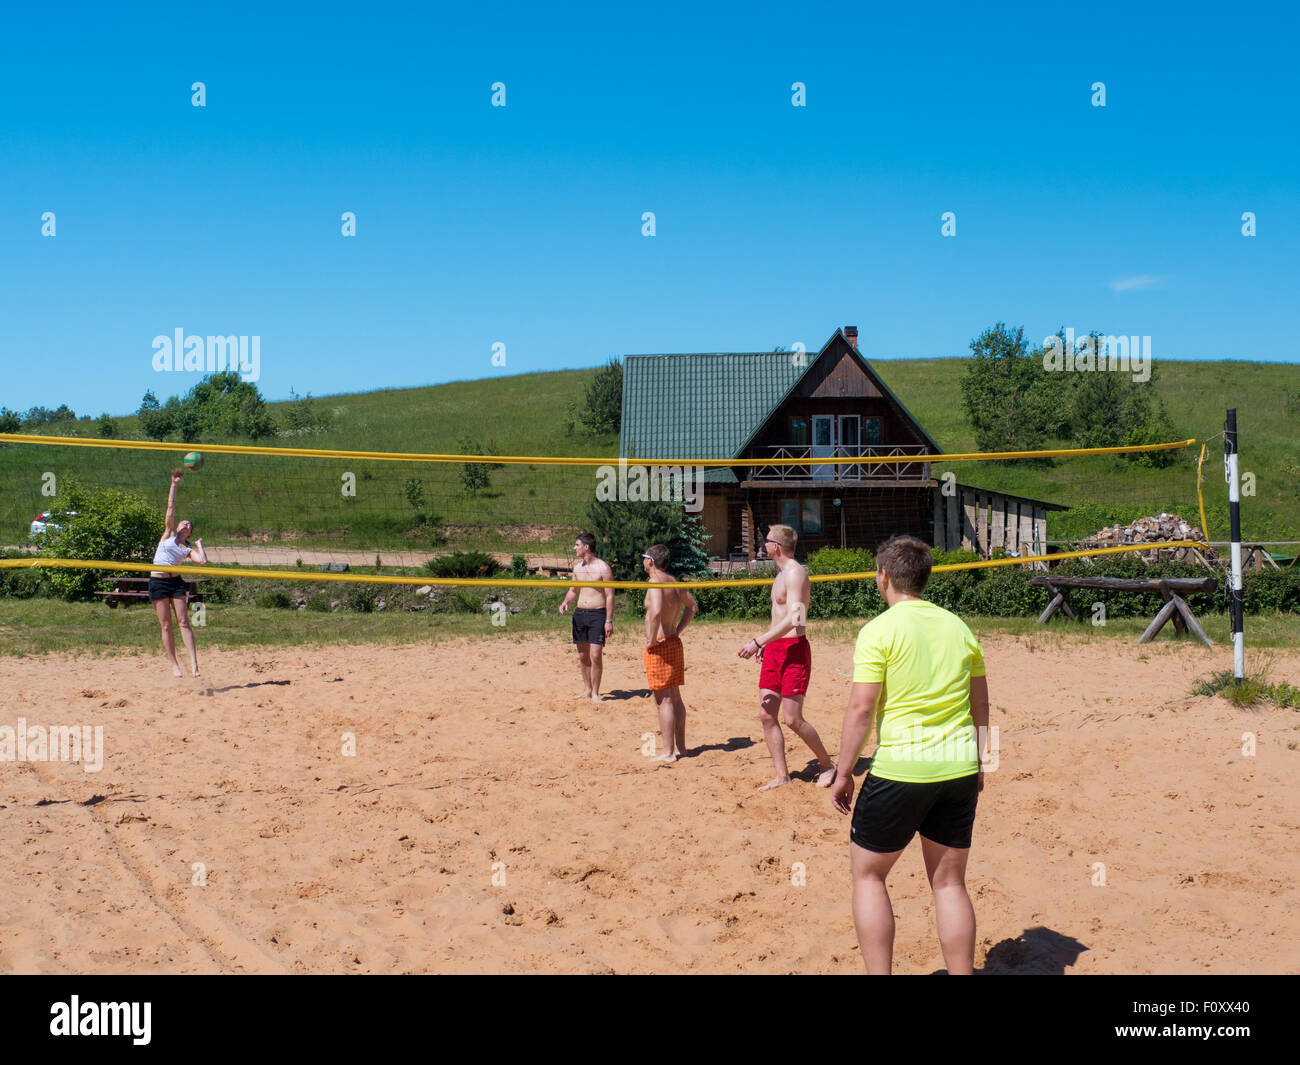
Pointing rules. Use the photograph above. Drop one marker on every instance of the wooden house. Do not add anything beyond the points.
(791, 406)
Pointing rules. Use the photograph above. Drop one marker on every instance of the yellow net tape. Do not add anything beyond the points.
(553, 460)
(510, 582)
(1200, 498)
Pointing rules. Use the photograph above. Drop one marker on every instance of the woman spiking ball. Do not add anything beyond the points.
(173, 549)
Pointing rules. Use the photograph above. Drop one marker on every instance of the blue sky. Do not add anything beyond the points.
(522, 224)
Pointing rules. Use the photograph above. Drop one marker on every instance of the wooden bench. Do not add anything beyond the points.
(1169, 588)
(128, 588)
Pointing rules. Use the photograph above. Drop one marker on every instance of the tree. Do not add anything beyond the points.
(224, 404)
(106, 426)
(155, 423)
(221, 405)
(1006, 392)
(10, 421)
(603, 412)
(624, 529)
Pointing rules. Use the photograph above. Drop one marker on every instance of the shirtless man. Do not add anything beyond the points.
(593, 620)
(668, 611)
(787, 661)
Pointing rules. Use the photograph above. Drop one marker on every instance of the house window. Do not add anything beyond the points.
(790, 513)
(804, 515)
(799, 431)
(871, 431)
(812, 517)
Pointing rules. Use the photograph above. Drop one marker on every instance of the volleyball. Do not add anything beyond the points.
(194, 461)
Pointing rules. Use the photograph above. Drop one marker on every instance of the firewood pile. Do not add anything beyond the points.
(1155, 530)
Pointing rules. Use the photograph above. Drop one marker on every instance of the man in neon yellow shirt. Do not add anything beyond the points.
(919, 670)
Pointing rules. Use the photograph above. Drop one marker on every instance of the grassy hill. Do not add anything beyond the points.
(1196, 395)
(300, 501)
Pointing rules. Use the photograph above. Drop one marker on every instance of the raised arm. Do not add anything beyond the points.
(169, 522)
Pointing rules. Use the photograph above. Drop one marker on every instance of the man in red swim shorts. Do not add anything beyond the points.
(787, 661)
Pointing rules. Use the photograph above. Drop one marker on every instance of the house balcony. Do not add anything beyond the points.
(790, 466)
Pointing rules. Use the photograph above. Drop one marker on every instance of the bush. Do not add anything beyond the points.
(110, 524)
(106, 427)
(464, 564)
(361, 598)
(301, 415)
(841, 560)
(463, 601)
(276, 600)
(518, 567)
(476, 476)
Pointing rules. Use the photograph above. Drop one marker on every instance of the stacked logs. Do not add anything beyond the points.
(1155, 530)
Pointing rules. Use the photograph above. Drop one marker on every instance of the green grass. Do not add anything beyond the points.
(531, 508)
(1254, 688)
(37, 626)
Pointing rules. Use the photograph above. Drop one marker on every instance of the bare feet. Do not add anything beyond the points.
(595, 697)
(196, 671)
(667, 758)
(826, 778)
(775, 782)
(583, 695)
(176, 670)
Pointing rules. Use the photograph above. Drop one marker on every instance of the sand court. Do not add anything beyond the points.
(488, 821)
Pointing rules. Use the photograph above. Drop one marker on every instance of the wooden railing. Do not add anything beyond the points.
(841, 473)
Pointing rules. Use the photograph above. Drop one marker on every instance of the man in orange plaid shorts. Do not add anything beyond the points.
(668, 611)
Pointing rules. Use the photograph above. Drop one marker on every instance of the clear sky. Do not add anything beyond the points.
(523, 224)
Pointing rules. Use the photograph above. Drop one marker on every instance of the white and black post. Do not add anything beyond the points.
(1232, 472)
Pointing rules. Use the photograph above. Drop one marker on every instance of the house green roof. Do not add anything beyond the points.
(703, 406)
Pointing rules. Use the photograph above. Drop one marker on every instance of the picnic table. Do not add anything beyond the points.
(1175, 606)
(128, 588)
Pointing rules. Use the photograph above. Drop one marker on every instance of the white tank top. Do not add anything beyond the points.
(170, 553)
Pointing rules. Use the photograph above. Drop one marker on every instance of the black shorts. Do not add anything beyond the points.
(169, 587)
(589, 625)
(889, 813)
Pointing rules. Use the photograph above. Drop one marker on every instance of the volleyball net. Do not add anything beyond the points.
(505, 520)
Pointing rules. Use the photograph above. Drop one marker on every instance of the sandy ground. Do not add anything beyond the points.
(489, 822)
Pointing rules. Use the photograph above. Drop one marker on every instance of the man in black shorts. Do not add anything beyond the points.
(925, 775)
(593, 620)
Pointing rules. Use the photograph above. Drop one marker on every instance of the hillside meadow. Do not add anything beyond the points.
(306, 502)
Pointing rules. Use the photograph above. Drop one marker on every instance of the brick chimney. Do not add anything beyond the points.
(851, 332)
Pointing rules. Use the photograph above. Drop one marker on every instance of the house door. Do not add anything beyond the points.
(823, 445)
(850, 444)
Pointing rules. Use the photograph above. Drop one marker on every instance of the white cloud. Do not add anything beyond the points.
(1136, 284)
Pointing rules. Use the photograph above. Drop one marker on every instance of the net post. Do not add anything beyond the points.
(1232, 473)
